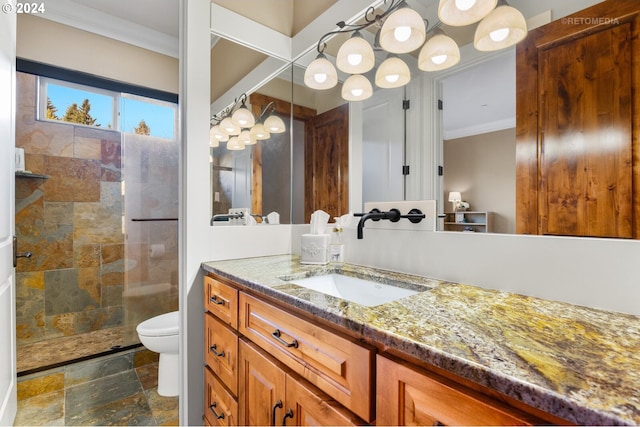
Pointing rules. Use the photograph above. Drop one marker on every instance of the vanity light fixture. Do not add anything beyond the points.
(356, 88)
(503, 27)
(458, 13)
(238, 127)
(403, 30)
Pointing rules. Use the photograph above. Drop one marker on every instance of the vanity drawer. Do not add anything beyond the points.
(221, 300)
(220, 407)
(339, 366)
(221, 351)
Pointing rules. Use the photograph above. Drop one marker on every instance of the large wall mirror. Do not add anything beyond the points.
(367, 143)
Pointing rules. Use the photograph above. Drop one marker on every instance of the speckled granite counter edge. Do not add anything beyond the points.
(546, 400)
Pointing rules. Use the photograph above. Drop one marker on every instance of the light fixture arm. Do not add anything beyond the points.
(370, 19)
(227, 112)
(269, 108)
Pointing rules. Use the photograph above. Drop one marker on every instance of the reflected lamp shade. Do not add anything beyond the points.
(503, 27)
(356, 88)
(403, 31)
(438, 53)
(243, 118)
(259, 132)
(235, 144)
(459, 13)
(274, 124)
(393, 72)
(214, 143)
(227, 126)
(217, 134)
(246, 138)
(321, 74)
(455, 196)
(355, 55)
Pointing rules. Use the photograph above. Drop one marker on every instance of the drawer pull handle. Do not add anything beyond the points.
(217, 300)
(289, 414)
(276, 334)
(215, 414)
(273, 412)
(214, 350)
(438, 423)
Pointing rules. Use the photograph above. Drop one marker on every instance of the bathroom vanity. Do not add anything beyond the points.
(284, 353)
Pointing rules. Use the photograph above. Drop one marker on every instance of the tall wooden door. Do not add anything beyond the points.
(327, 163)
(576, 79)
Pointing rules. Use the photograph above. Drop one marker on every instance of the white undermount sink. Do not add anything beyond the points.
(360, 291)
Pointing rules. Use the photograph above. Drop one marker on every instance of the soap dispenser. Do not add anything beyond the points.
(336, 247)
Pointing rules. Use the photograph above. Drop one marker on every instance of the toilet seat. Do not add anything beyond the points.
(160, 326)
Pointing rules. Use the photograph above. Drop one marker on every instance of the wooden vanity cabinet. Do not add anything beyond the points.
(408, 395)
(221, 300)
(275, 395)
(220, 407)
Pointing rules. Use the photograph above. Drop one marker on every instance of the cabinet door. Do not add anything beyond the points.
(306, 405)
(221, 300)
(261, 389)
(410, 396)
(221, 409)
(221, 351)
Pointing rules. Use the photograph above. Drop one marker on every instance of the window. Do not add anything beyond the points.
(90, 106)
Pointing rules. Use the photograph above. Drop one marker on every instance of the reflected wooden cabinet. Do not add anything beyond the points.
(577, 133)
(408, 395)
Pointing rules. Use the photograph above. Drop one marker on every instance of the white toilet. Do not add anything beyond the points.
(160, 334)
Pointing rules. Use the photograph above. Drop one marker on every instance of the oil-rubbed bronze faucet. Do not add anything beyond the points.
(393, 215)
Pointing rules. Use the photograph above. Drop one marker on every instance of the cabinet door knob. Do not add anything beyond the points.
(277, 335)
(289, 414)
(273, 412)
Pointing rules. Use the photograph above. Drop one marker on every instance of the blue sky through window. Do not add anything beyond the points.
(159, 118)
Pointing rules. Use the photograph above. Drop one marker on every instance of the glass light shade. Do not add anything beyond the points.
(235, 144)
(403, 31)
(321, 74)
(227, 126)
(438, 53)
(259, 132)
(393, 72)
(356, 88)
(213, 143)
(217, 134)
(246, 138)
(464, 12)
(503, 27)
(274, 124)
(243, 117)
(355, 55)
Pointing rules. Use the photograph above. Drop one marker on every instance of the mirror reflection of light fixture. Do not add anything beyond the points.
(459, 13)
(356, 88)
(393, 72)
(503, 27)
(249, 130)
(355, 55)
(455, 198)
(439, 52)
(402, 30)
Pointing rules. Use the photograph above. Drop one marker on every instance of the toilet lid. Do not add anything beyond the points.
(162, 325)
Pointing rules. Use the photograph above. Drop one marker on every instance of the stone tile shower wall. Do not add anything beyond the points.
(74, 283)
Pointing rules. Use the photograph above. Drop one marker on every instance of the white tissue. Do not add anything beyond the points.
(273, 218)
(156, 251)
(319, 221)
(343, 221)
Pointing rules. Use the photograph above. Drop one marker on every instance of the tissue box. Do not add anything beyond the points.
(315, 249)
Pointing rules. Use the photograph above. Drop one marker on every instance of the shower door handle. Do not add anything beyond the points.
(17, 255)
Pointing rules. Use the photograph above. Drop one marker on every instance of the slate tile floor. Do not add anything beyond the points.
(119, 389)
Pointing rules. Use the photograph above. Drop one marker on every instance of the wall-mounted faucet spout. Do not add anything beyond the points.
(226, 217)
(376, 215)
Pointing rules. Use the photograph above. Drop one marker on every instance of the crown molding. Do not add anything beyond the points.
(94, 21)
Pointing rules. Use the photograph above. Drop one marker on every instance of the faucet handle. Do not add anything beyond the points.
(414, 216)
(374, 210)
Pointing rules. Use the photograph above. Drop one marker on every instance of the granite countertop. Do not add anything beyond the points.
(577, 363)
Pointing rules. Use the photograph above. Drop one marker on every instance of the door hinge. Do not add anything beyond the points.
(440, 170)
(406, 104)
(405, 170)
(440, 104)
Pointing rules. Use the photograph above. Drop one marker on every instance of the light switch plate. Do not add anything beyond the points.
(428, 207)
